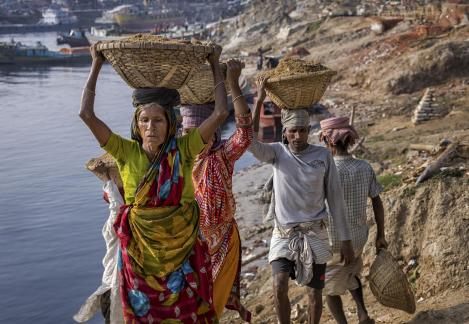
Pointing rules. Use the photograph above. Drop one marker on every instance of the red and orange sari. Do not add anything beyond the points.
(212, 177)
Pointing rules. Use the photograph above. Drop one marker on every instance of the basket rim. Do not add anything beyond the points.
(124, 44)
(300, 76)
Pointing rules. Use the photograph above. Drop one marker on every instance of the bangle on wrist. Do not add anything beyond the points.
(244, 115)
(236, 98)
(216, 85)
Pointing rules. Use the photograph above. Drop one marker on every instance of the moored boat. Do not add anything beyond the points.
(57, 16)
(100, 34)
(136, 19)
(16, 53)
(270, 117)
(76, 38)
(142, 22)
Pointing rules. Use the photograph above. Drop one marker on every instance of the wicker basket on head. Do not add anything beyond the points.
(389, 284)
(105, 164)
(290, 89)
(198, 90)
(147, 61)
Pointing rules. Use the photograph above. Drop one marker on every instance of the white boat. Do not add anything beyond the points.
(59, 16)
(108, 16)
(100, 34)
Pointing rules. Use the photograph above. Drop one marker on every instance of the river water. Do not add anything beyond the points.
(52, 211)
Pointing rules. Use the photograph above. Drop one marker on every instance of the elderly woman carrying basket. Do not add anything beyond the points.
(164, 265)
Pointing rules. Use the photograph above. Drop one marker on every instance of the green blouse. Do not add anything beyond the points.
(133, 163)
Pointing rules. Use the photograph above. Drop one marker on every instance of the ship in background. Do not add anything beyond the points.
(57, 16)
(17, 54)
(146, 17)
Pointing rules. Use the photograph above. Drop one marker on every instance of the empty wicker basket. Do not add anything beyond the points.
(300, 90)
(198, 90)
(105, 164)
(146, 61)
(389, 284)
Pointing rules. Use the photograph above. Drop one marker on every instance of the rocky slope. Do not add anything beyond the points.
(382, 76)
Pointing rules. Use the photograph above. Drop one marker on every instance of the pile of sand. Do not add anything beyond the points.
(159, 39)
(292, 66)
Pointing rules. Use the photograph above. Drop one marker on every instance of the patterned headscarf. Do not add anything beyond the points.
(193, 116)
(163, 181)
(337, 129)
(164, 97)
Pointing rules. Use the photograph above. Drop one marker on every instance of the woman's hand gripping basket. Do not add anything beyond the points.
(389, 284)
(148, 61)
(295, 83)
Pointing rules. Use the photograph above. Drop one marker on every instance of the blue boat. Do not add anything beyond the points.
(19, 54)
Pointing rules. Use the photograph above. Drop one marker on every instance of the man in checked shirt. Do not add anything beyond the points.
(359, 182)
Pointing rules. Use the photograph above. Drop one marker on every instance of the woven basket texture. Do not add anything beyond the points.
(301, 90)
(149, 64)
(199, 89)
(389, 284)
(110, 166)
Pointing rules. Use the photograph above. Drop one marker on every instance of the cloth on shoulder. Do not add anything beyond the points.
(109, 288)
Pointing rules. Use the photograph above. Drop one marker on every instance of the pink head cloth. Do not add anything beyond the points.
(337, 129)
(194, 115)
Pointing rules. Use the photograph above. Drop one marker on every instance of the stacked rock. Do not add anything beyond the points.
(426, 109)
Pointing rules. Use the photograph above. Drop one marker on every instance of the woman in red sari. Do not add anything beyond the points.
(164, 264)
(212, 176)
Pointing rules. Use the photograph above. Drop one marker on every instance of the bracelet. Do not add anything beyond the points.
(216, 85)
(244, 115)
(89, 91)
(236, 98)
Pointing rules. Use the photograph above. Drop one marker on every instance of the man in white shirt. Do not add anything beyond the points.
(305, 177)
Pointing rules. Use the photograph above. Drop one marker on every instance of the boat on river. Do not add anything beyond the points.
(104, 34)
(138, 19)
(15, 53)
(270, 119)
(76, 38)
(57, 16)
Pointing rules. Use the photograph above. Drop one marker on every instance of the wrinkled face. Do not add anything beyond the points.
(153, 126)
(297, 138)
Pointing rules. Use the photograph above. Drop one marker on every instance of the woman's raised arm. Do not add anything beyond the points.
(220, 112)
(97, 126)
(257, 110)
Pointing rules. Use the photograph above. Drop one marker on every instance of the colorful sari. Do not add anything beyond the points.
(164, 264)
(212, 177)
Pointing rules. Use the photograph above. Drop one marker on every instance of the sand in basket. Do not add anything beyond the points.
(198, 90)
(105, 167)
(149, 61)
(389, 284)
(296, 83)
